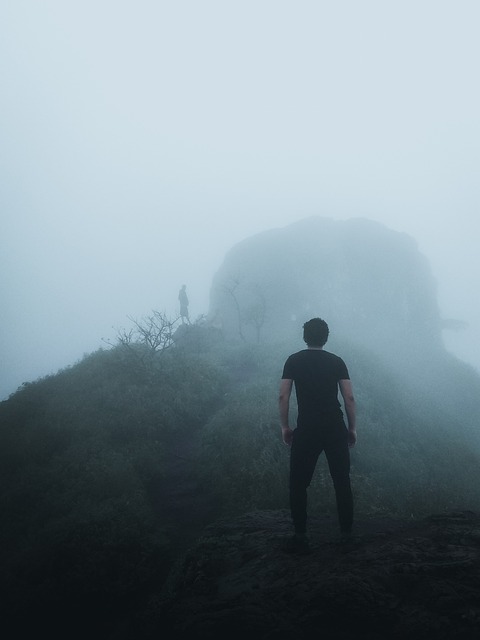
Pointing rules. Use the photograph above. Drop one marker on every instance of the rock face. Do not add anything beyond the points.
(370, 283)
(393, 580)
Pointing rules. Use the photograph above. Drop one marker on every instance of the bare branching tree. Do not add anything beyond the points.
(249, 303)
(154, 331)
(153, 334)
(231, 290)
(256, 311)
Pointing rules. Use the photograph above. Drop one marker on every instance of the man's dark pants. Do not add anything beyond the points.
(308, 443)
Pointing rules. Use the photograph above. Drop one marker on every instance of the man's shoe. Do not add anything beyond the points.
(298, 544)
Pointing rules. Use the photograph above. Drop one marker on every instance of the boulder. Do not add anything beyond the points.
(371, 284)
(395, 579)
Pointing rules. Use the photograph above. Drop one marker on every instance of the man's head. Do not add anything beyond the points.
(315, 332)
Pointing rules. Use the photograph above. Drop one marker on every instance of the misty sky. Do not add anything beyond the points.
(140, 140)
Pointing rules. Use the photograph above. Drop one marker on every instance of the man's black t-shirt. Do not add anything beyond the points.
(316, 374)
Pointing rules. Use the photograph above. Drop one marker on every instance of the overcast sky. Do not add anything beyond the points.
(140, 140)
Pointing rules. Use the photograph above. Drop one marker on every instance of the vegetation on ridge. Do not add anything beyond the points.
(108, 467)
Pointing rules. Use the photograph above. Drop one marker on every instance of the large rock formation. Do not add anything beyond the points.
(370, 283)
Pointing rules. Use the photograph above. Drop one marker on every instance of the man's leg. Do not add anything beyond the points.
(303, 458)
(338, 457)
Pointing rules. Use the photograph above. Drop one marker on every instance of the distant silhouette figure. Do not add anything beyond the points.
(182, 296)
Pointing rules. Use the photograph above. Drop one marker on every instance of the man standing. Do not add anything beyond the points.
(318, 375)
(182, 297)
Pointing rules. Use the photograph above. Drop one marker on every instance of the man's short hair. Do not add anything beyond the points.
(315, 332)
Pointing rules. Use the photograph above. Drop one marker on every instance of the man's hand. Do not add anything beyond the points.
(352, 438)
(287, 435)
(284, 402)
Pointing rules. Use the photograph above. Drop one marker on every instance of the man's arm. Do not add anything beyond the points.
(284, 404)
(349, 401)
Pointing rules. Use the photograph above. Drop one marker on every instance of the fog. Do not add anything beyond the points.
(141, 140)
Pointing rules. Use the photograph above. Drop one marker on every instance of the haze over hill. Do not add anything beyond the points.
(130, 165)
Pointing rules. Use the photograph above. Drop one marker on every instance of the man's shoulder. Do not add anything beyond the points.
(334, 358)
(297, 355)
(292, 363)
(331, 355)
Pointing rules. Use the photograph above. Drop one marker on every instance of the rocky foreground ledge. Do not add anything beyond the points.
(395, 579)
